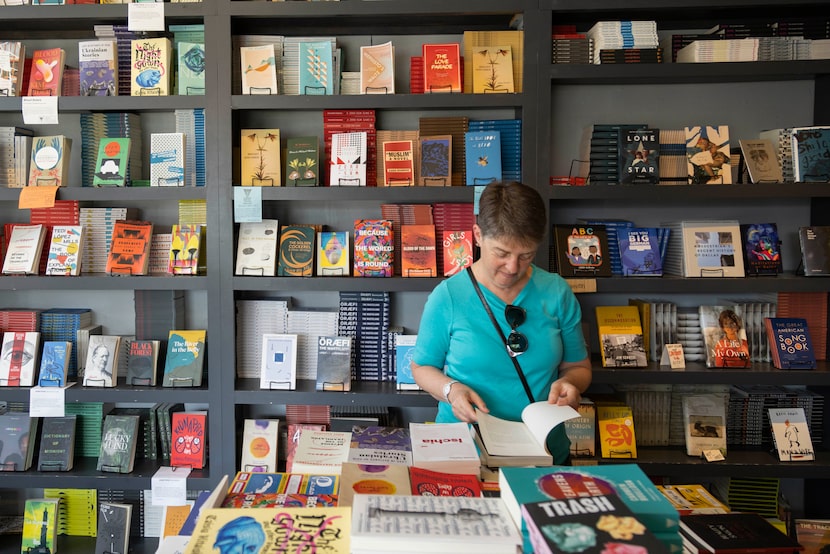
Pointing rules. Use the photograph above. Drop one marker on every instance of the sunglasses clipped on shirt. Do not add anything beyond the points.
(516, 342)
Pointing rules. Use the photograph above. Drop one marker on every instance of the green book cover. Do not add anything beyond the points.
(118, 443)
(302, 162)
(296, 256)
(40, 525)
(191, 69)
(185, 358)
(112, 162)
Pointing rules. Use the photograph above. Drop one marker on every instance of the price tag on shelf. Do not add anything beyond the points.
(673, 356)
(582, 285)
(37, 197)
(169, 486)
(40, 110)
(247, 204)
(145, 16)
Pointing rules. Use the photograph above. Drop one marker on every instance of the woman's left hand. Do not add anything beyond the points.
(564, 393)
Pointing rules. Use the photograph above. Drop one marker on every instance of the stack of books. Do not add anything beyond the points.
(610, 35)
(94, 127)
(338, 122)
(255, 318)
(454, 126)
(366, 317)
(510, 137)
(62, 324)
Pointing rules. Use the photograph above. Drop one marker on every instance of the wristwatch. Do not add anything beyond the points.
(446, 390)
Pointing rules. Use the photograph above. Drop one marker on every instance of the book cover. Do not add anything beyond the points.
(639, 161)
(17, 435)
(582, 251)
(320, 529)
(482, 156)
(46, 77)
(11, 73)
(186, 249)
(377, 69)
(282, 499)
(113, 533)
(615, 427)
(358, 478)
(761, 248)
(101, 367)
(260, 438)
(582, 430)
(436, 161)
(279, 362)
(191, 69)
(57, 443)
(256, 248)
(185, 358)
(713, 249)
(54, 363)
(112, 163)
(790, 342)
(349, 157)
(65, 250)
(49, 164)
(188, 432)
(333, 251)
(315, 68)
(167, 159)
(597, 524)
(704, 422)
(791, 434)
(260, 155)
(814, 242)
(294, 432)
(296, 252)
(424, 482)
(142, 360)
(23, 249)
(708, 155)
(129, 252)
(381, 445)
(98, 67)
(150, 66)
(321, 452)
(811, 154)
(724, 336)
(620, 336)
(40, 525)
(18, 358)
(493, 69)
(442, 67)
(446, 447)
(761, 161)
(302, 161)
(259, 69)
(334, 363)
(404, 346)
(692, 499)
(735, 532)
(118, 443)
(374, 248)
(398, 163)
(418, 256)
(457, 251)
(640, 251)
(813, 534)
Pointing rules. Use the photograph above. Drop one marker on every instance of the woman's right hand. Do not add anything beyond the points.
(464, 402)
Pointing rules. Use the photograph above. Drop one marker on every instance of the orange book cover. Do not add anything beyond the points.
(418, 257)
(442, 67)
(130, 248)
(47, 72)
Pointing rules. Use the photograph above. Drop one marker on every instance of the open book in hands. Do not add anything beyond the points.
(520, 443)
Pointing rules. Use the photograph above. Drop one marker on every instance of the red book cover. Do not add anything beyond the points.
(398, 163)
(47, 72)
(374, 248)
(425, 482)
(189, 439)
(418, 251)
(442, 67)
(458, 251)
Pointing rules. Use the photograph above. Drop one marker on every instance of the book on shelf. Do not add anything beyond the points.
(349, 159)
(693, 499)
(190, 74)
(57, 443)
(18, 432)
(442, 67)
(167, 159)
(187, 250)
(615, 427)
(708, 155)
(812, 534)
(639, 156)
(46, 77)
(112, 162)
(142, 361)
(296, 251)
(150, 69)
(374, 248)
(98, 67)
(23, 249)
(19, 358)
(113, 532)
(40, 525)
(704, 423)
(334, 363)
(315, 68)
(482, 157)
(761, 248)
(259, 69)
(54, 363)
(11, 79)
(404, 346)
(811, 153)
(418, 251)
(493, 69)
(293, 439)
(791, 434)
(724, 336)
(185, 358)
(302, 161)
(582, 430)
(761, 159)
(704, 248)
(425, 482)
(502, 442)
(398, 163)
(188, 435)
(172, 519)
(445, 447)
(435, 167)
(65, 250)
(119, 437)
(49, 163)
(612, 526)
(582, 251)
(790, 342)
(333, 249)
(734, 532)
(358, 478)
(321, 452)
(621, 336)
(380, 445)
(129, 248)
(260, 438)
(377, 69)
(260, 158)
(279, 361)
(101, 367)
(256, 248)
(473, 40)
(457, 250)
(814, 241)
(639, 249)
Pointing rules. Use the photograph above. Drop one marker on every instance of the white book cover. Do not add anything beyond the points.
(321, 452)
(256, 251)
(259, 445)
(704, 421)
(259, 69)
(377, 69)
(441, 442)
(348, 159)
(65, 250)
(23, 249)
(167, 159)
(279, 362)
(18, 358)
(712, 249)
(791, 434)
(101, 368)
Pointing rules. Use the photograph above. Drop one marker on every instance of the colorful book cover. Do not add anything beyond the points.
(581, 430)
(57, 443)
(129, 252)
(296, 252)
(65, 250)
(189, 439)
(279, 362)
(418, 256)
(762, 249)
(11, 72)
(167, 159)
(316, 72)
(708, 155)
(811, 154)
(259, 445)
(482, 157)
(256, 249)
(185, 358)
(333, 250)
(186, 249)
(442, 67)
(349, 159)
(112, 163)
(46, 76)
(141, 362)
(436, 161)
(18, 358)
(260, 155)
(380, 445)
(40, 525)
(640, 251)
(357, 478)
(615, 426)
(398, 163)
(54, 363)
(302, 161)
(424, 482)
(118, 443)
(790, 342)
(639, 161)
(724, 336)
(692, 499)
(493, 69)
(582, 250)
(259, 69)
(279, 500)
(374, 248)
(334, 363)
(377, 69)
(49, 165)
(98, 67)
(404, 346)
(191, 69)
(813, 534)
(761, 160)
(458, 251)
(150, 66)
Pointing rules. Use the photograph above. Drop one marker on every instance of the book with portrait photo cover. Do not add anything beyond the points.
(761, 248)
(101, 368)
(707, 155)
(761, 161)
(724, 337)
(582, 250)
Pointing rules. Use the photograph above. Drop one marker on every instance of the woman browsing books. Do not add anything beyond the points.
(538, 317)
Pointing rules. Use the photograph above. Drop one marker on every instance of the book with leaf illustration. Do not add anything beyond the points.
(302, 161)
(260, 156)
(493, 69)
(49, 165)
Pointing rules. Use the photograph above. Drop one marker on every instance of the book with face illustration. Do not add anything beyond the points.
(333, 253)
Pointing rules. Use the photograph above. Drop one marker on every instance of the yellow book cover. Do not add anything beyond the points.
(150, 67)
(272, 530)
(260, 157)
(616, 431)
(493, 69)
(620, 336)
(476, 40)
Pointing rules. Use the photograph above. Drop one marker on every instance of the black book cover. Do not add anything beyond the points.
(57, 443)
(113, 528)
(582, 250)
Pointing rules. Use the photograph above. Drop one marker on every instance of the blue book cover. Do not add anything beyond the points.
(191, 69)
(316, 72)
(483, 157)
(790, 339)
(762, 248)
(640, 251)
(53, 363)
(98, 67)
(404, 345)
(521, 485)
(811, 154)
